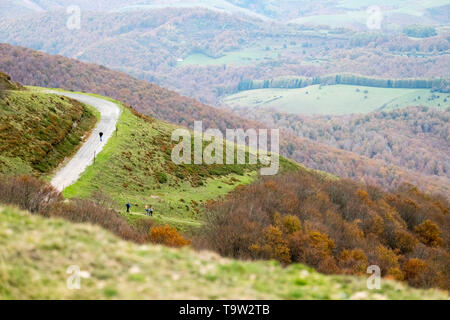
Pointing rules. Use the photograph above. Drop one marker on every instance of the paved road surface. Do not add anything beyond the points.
(110, 113)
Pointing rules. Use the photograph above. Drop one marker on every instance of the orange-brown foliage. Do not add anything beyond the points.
(168, 236)
(335, 226)
(429, 234)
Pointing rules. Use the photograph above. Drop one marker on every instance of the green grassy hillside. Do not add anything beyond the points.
(135, 166)
(38, 130)
(36, 252)
(337, 99)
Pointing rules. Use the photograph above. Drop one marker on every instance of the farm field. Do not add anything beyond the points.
(337, 99)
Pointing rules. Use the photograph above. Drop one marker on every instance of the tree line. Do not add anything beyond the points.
(438, 84)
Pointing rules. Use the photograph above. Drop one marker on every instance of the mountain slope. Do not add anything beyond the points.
(390, 136)
(35, 68)
(135, 166)
(39, 69)
(201, 52)
(114, 269)
(38, 130)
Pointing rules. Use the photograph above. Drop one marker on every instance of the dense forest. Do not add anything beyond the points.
(335, 226)
(390, 136)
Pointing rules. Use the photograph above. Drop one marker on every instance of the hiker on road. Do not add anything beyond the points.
(151, 211)
(101, 136)
(128, 205)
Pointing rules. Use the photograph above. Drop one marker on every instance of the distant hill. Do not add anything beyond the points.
(201, 52)
(40, 69)
(346, 13)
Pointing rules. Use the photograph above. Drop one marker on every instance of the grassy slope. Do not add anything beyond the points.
(336, 99)
(35, 253)
(38, 130)
(127, 170)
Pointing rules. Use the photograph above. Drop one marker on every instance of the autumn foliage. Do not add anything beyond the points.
(335, 226)
(168, 236)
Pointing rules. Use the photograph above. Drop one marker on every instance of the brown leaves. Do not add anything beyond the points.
(429, 234)
(335, 226)
(168, 236)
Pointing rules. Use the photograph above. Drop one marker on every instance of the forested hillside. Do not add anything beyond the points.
(35, 68)
(335, 226)
(393, 137)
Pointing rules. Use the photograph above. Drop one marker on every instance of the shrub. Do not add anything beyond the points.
(395, 273)
(321, 242)
(86, 211)
(28, 193)
(355, 261)
(429, 234)
(168, 236)
(386, 259)
(413, 268)
(162, 177)
(291, 224)
(274, 246)
(404, 241)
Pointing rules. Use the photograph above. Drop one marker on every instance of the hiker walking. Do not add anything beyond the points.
(147, 209)
(151, 211)
(101, 136)
(128, 205)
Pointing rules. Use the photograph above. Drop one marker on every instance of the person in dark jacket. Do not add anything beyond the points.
(128, 205)
(101, 136)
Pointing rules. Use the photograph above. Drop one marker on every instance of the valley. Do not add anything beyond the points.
(136, 139)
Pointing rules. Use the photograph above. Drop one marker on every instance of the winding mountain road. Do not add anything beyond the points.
(110, 114)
